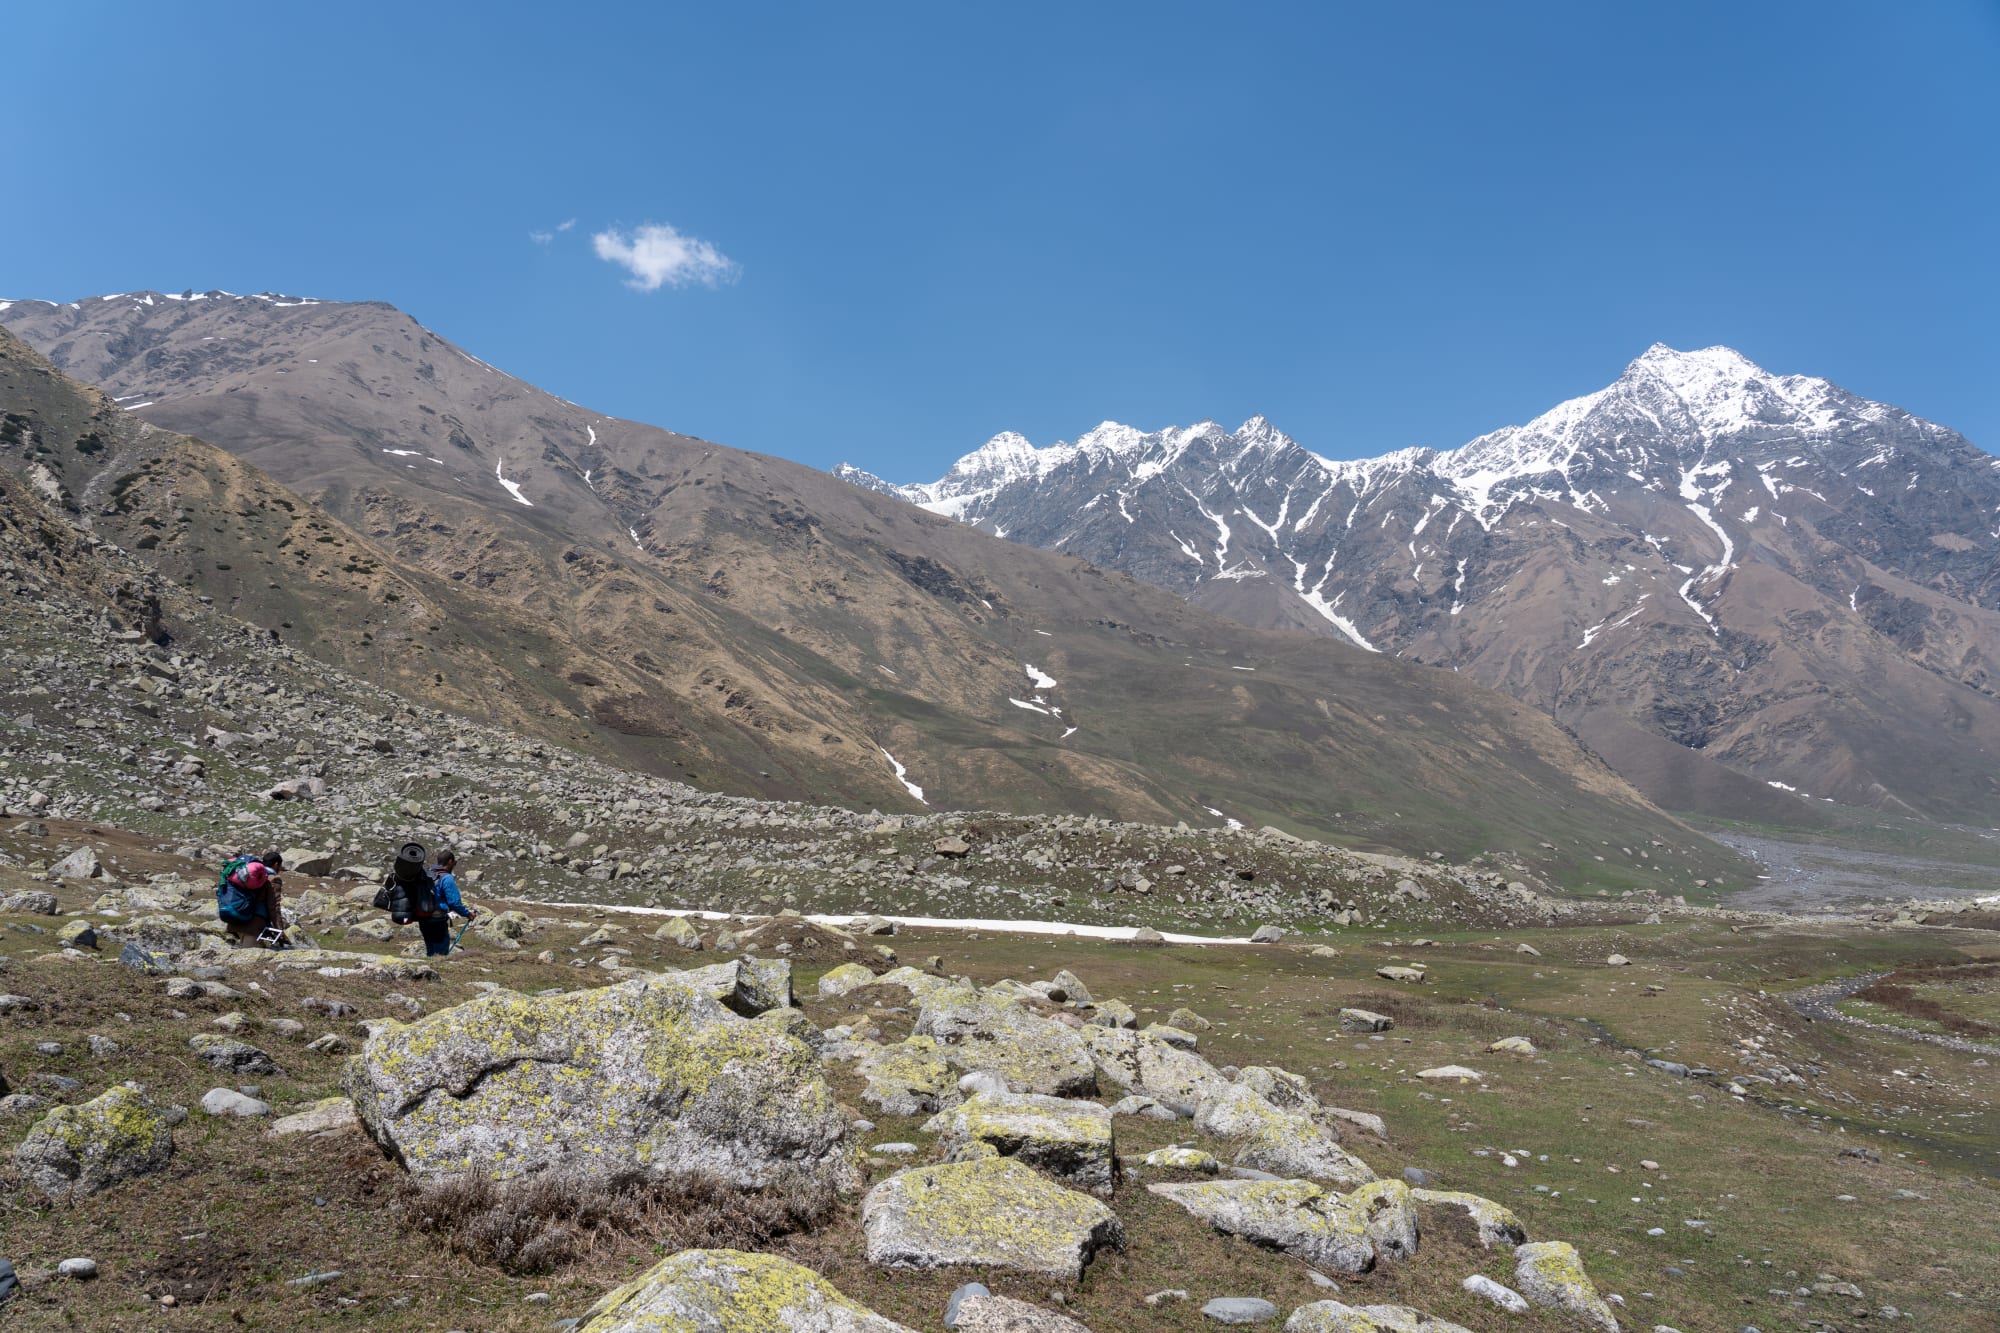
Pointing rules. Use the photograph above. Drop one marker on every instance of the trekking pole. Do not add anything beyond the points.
(461, 935)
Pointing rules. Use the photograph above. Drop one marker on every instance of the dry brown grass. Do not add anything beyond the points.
(551, 1220)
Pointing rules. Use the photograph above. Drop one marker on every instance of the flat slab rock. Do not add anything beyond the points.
(341, 962)
(992, 1213)
(1240, 1310)
(1003, 1314)
(1334, 1317)
(728, 1291)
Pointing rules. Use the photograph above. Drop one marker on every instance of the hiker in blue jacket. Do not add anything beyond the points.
(436, 927)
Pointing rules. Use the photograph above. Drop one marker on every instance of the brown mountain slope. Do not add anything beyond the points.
(784, 633)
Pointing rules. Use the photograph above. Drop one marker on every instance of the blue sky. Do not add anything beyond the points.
(898, 228)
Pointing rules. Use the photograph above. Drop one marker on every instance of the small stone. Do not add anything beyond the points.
(1240, 1310)
(1505, 1297)
(228, 1101)
(957, 1298)
(81, 1270)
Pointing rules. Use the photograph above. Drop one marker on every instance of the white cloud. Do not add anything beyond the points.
(541, 237)
(565, 226)
(658, 256)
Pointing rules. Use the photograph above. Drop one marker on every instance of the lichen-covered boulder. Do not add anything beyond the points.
(1141, 1062)
(508, 925)
(1114, 1014)
(1187, 1020)
(920, 984)
(1386, 1210)
(35, 902)
(1333, 1317)
(1070, 1140)
(1004, 1314)
(747, 986)
(74, 1152)
(1295, 1216)
(1496, 1222)
(1072, 987)
(1182, 1159)
(1550, 1273)
(648, 1074)
(1365, 1020)
(991, 1213)
(1283, 1089)
(984, 1033)
(908, 1078)
(840, 980)
(1284, 1143)
(679, 930)
(729, 1291)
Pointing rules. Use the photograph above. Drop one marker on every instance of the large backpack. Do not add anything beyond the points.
(232, 904)
(408, 893)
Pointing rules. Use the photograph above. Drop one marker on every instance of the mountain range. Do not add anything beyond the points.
(360, 487)
(1750, 593)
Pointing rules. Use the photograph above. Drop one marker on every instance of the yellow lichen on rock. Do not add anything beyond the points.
(729, 1291)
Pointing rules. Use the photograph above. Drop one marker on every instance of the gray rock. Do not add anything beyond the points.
(1287, 1143)
(228, 1101)
(1551, 1273)
(1267, 934)
(1334, 1317)
(1364, 1020)
(1295, 1216)
(1003, 1314)
(35, 902)
(1069, 1140)
(649, 1072)
(1487, 1289)
(992, 1213)
(979, 1031)
(957, 1299)
(1240, 1310)
(80, 1269)
(141, 959)
(79, 864)
(229, 1054)
(726, 1291)
(77, 1151)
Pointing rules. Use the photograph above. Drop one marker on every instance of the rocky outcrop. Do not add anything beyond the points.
(74, 1152)
(1069, 1140)
(648, 1074)
(992, 1213)
(728, 1291)
(1143, 1062)
(1497, 1223)
(908, 1078)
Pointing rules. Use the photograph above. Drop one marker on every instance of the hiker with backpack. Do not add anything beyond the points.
(413, 892)
(249, 897)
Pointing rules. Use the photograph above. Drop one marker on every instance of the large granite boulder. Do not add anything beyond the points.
(1551, 1273)
(986, 1033)
(908, 1078)
(728, 1291)
(991, 1213)
(1284, 1143)
(74, 1152)
(648, 1074)
(1143, 1062)
(1070, 1140)
(1295, 1216)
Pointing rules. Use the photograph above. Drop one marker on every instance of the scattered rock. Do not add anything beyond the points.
(1514, 1046)
(981, 1031)
(1487, 1289)
(1451, 1074)
(77, 1151)
(1070, 1140)
(1284, 1143)
(1618, 960)
(728, 1291)
(1550, 1273)
(1240, 1310)
(1182, 1159)
(993, 1213)
(228, 1101)
(1003, 1314)
(1267, 934)
(957, 1300)
(333, 1113)
(1497, 1224)
(1333, 1317)
(1408, 975)
(226, 1053)
(77, 1270)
